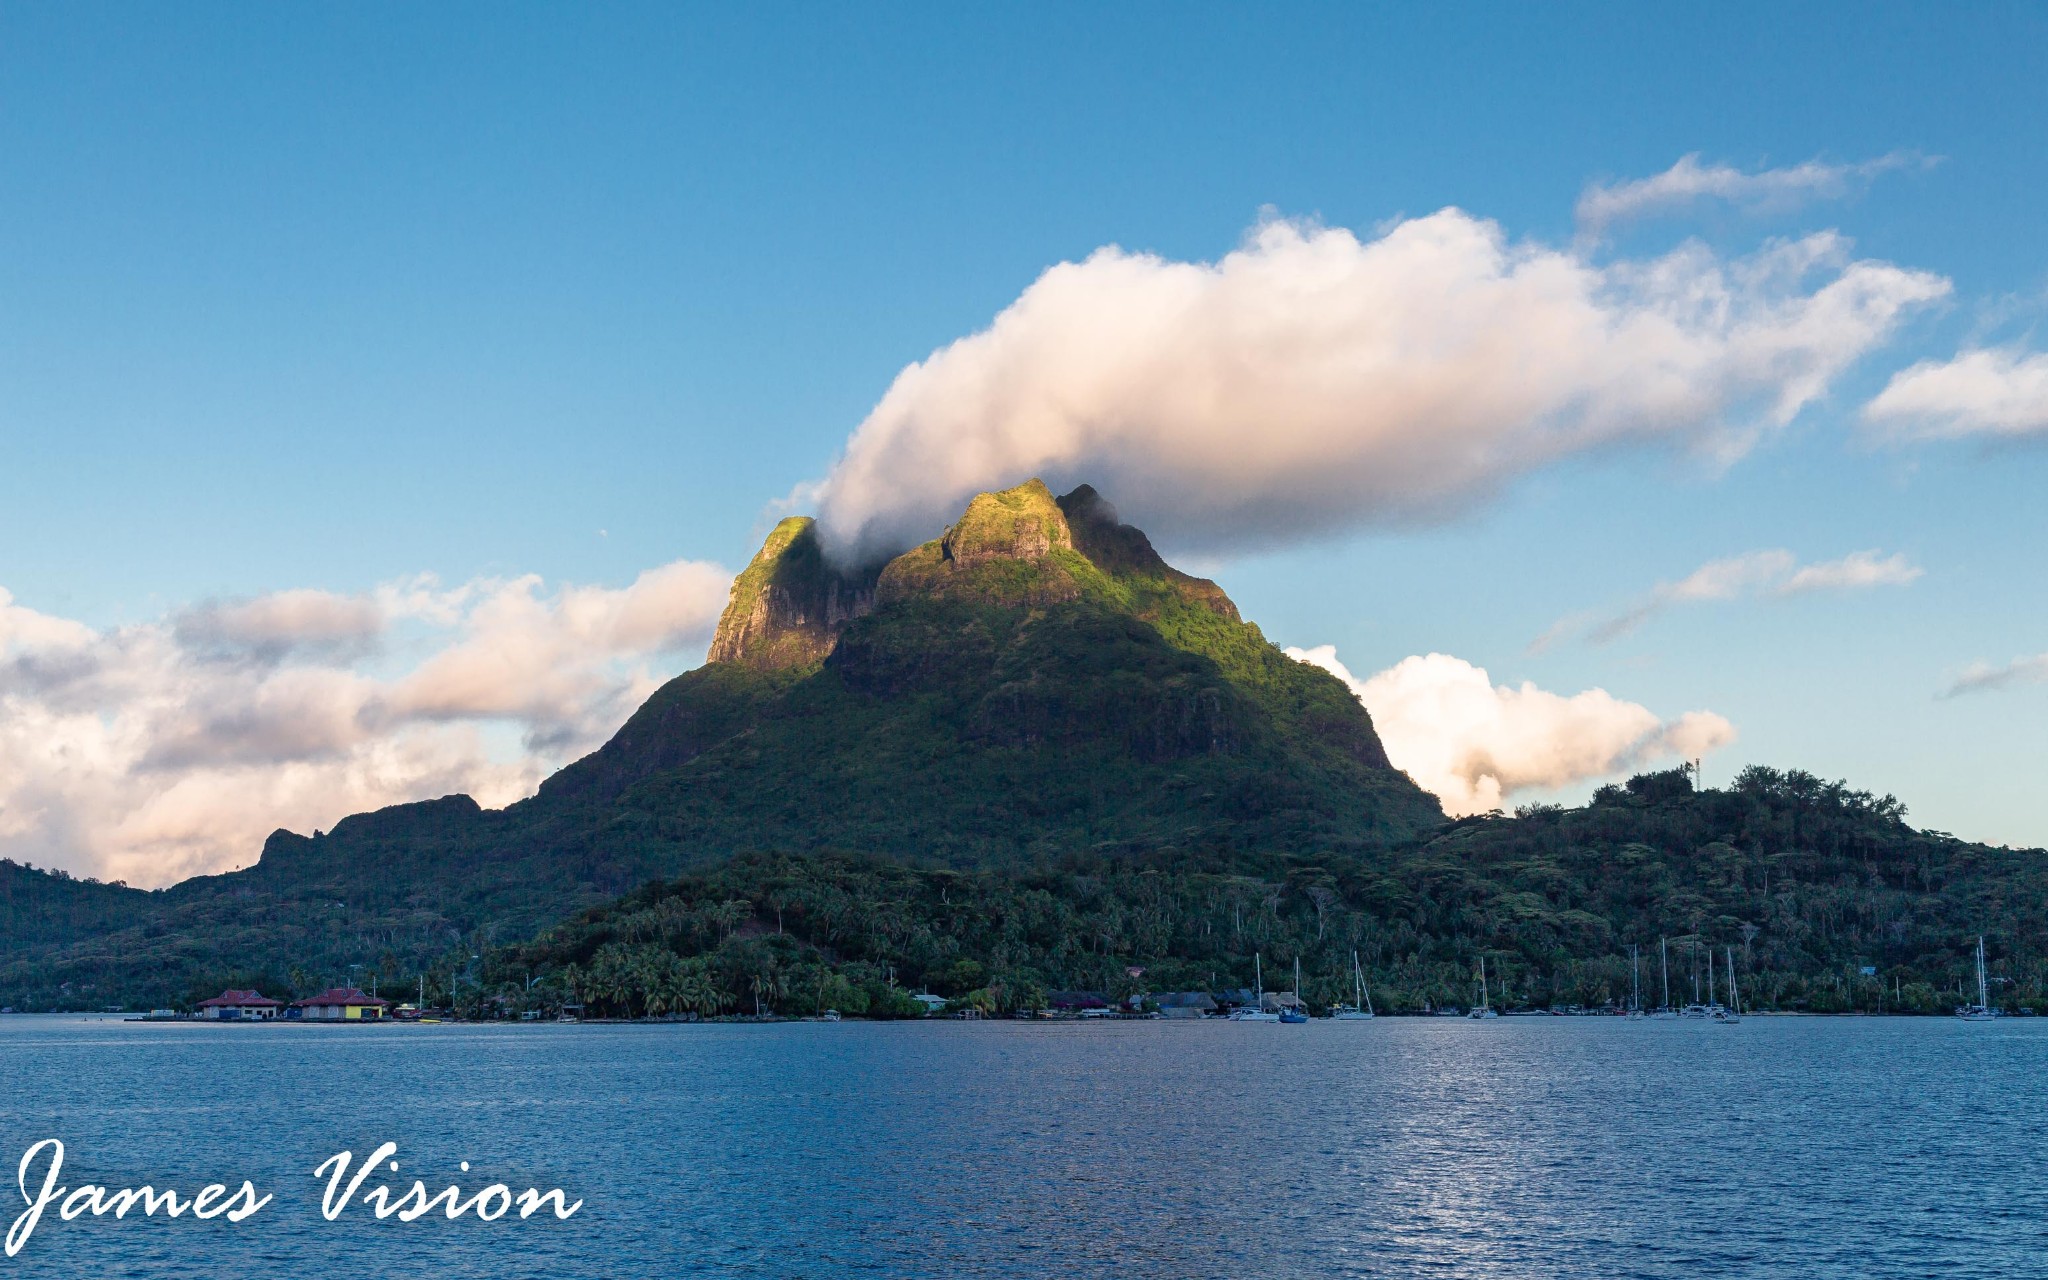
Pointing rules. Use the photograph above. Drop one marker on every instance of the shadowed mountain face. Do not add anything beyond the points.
(1033, 682)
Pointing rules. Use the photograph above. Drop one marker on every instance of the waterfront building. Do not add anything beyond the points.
(342, 1004)
(232, 1005)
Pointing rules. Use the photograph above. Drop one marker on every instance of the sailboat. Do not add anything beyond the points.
(1982, 1010)
(1296, 1014)
(1256, 1011)
(1485, 1009)
(1360, 1007)
(1733, 1011)
(1696, 1009)
(1664, 965)
(1635, 982)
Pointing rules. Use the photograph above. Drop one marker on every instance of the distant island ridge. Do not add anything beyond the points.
(1025, 758)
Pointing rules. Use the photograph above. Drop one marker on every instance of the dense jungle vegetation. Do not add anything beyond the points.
(1830, 902)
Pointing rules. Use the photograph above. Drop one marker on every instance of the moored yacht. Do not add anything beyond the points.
(1296, 1014)
(1485, 1009)
(1635, 983)
(1255, 1011)
(1360, 1008)
(1732, 1012)
(1665, 1010)
(1982, 1010)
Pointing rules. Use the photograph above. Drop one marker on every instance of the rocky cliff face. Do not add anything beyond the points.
(1124, 551)
(788, 606)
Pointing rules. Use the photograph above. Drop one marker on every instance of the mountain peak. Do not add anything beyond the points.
(1016, 547)
(1024, 523)
(788, 605)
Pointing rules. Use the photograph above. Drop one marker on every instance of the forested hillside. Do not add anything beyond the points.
(1811, 883)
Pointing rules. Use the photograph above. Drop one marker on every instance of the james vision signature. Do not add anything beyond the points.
(216, 1201)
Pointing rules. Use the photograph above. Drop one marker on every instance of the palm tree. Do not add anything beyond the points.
(697, 990)
(767, 985)
(656, 1001)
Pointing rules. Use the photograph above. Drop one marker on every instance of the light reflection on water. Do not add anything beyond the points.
(1400, 1147)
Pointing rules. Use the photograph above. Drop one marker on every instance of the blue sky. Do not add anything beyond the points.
(323, 299)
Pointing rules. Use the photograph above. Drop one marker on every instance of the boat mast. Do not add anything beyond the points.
(1710, 979)
(1664, 959)
(1297, 984)
(1983, 992)
(1482, 982)
(1635, 979)
(1259, 979)
(1734, 995)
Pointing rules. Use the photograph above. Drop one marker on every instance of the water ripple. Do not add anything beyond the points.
(1397, 1148)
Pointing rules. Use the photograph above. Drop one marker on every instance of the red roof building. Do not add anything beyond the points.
(232, 1004)
(342, 1004)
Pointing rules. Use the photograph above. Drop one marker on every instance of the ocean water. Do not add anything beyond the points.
(1400, 1147)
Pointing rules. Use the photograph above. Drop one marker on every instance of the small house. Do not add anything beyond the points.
(932, 1004)
(342, 1004)
(232, 1005)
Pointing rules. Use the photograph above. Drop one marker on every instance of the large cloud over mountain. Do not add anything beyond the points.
(157, 751)
(1313, 381)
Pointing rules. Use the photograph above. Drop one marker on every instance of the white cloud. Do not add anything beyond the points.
(1758, 573)
(1765, 191)
(1475, 744)
(542, 660)
(1995, 391)
(1983, 677)
(1312, 381)
(154, 752)
(269, 627)
(1857, 571)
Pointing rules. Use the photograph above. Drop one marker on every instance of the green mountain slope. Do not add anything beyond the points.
(995, 694)
(1033, 682)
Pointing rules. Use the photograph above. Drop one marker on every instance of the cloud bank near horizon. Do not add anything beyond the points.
(1313, 382)
(154, 752)
(1474, 744)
